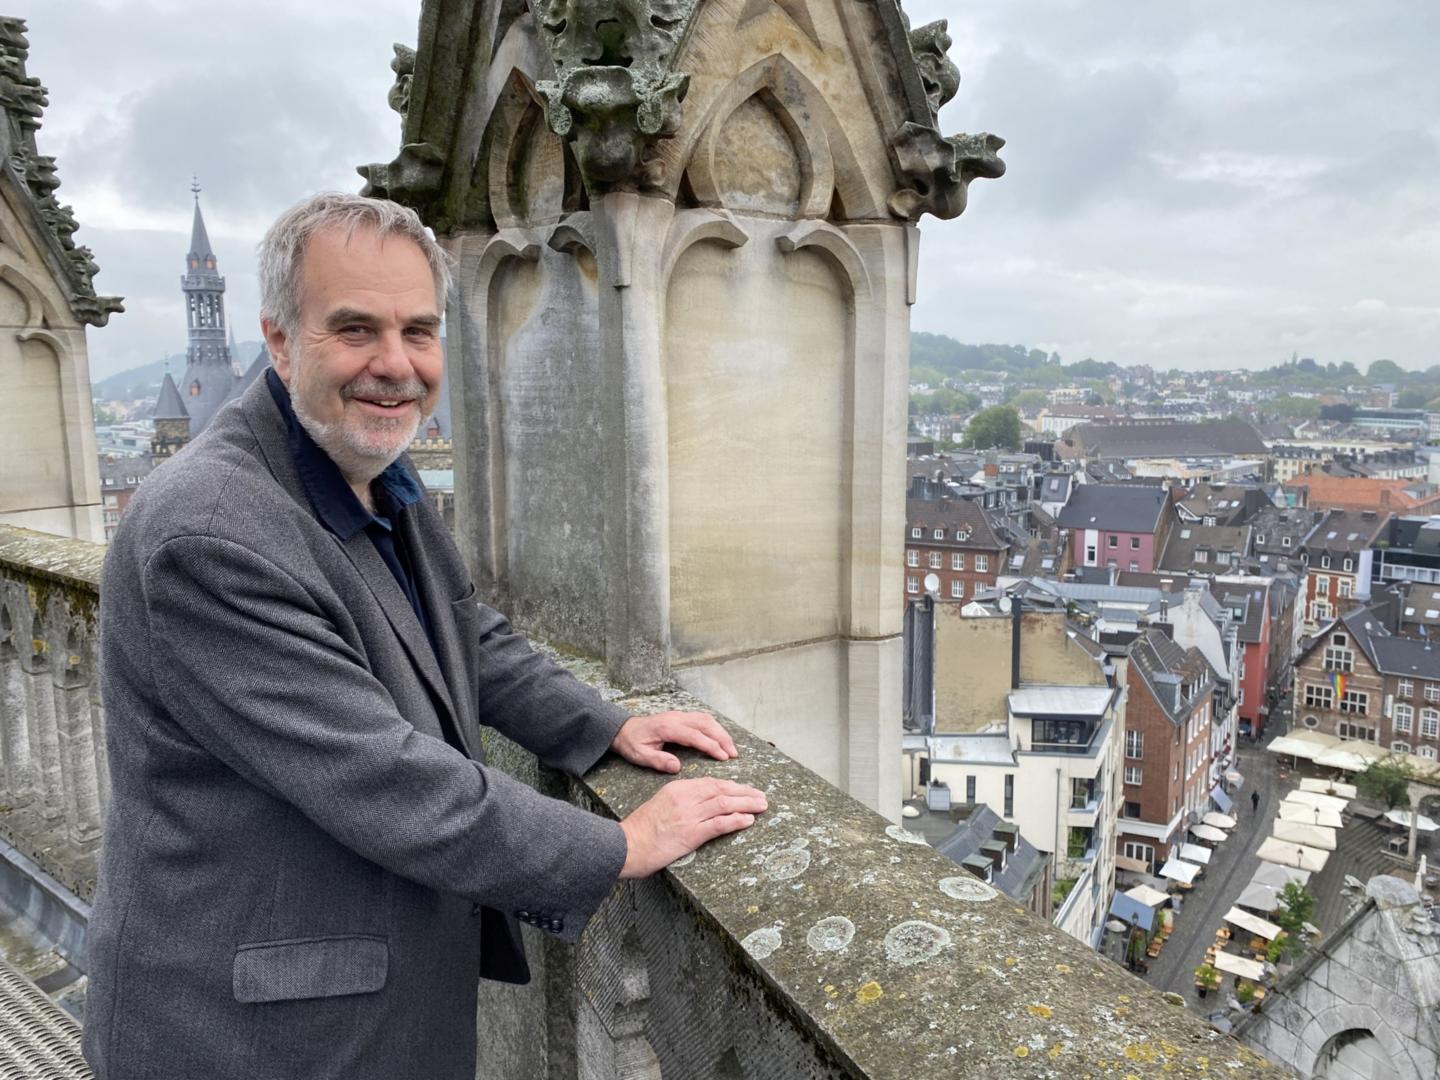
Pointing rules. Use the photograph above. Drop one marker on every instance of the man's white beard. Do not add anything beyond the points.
(361, 455)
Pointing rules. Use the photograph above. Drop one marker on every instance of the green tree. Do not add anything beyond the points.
(1411, 399)
(1030, 399)
(1385, 371)
(1386, 781)
(1296, 908)
(996, 426)
(1296, 408)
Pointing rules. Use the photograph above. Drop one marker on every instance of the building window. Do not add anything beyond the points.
(957, 561)
(1400, 747)
(1428, 753)
(1324, 562)
(1429, 723)
(1432, 691)
(1347, 730)
(1144, 852)
(1348, 564)
(982, 563)
(1316, 696)
(915, 532)
(1134, 543)
(1339, 659)
(957, 590)
(934, 560)
(1322, 586)
(970, 789)
(1132, 774)
(1342, 587)
(1285, 541)
(1134, 566)
(1260, 539)
(1132, 809)
(1114, 540)
(1134, 744)
(1089, 554)
(939, 534)
(1406, 688)
(912, 558)
(912, 585)
(1009, 794)
(1082, 792)
(1404, 716)
(1355, 701)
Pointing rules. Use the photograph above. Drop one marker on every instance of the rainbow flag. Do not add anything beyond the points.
(1337, 682)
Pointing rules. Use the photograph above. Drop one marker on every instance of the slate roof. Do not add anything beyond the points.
(1128, 508)
(200, 239)
(1023, 866)
(1345, 531)
(1223, 547)
(1271, 526)
(1055, 488)
(1165, 667)
(1206, 438)
(951, 515)
(169, 406)
(1228, 504)
(1250, 599)
(1406, 658)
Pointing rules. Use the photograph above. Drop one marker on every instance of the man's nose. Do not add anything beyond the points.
(390, 360)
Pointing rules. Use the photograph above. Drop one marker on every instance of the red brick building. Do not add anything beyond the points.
(1166, 756)
(1359, 681)
(955, 540)
(1337, 556)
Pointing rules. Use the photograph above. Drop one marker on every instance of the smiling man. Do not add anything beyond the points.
(307, 864)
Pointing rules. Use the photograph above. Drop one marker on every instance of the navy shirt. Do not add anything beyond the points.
(341, 511)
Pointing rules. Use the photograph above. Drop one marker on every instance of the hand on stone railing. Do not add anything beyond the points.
(641, 739)
(682, 816)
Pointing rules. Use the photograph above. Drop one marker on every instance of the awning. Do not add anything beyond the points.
(1288, 854)
(1295, 832)
(1260, 897)
(1302, 744)
(1324, 802)
(1208, 832)
(1125, 862)
(1278, 877)
(1179, 870)
(1309, 815)
(1243, 919)
(1402, 817)
(1351, 755)
(1195, 853)
(1238, 965)
(1220, 821)
(1328, 787)
(1144, 894)
(1221, 799)
(1127, 909)
(1235, 778)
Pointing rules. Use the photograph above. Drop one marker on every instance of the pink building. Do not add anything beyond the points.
(1116, 525)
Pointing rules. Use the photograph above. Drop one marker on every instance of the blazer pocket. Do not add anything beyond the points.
(318, 967)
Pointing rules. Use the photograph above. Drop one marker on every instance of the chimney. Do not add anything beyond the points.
(917, 486)
(1015, 643)
(937, 796)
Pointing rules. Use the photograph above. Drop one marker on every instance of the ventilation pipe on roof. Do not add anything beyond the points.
(1015, 606)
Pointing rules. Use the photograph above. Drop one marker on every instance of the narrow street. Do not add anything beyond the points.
(1234, 861)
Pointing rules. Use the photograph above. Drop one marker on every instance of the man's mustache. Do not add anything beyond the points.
(385, 390)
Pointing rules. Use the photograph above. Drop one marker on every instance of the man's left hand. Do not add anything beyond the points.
(641, 739)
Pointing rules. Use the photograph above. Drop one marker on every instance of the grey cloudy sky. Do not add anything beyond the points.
(1190, 184)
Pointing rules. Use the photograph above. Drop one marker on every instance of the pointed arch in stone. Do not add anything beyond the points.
(826, 160)
(693, 226)
(839, 249)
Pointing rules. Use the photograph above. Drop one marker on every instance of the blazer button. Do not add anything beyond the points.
(475, 908)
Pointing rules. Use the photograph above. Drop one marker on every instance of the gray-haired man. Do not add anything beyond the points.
(307, 865)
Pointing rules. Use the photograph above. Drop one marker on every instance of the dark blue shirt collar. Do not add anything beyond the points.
(334, 502)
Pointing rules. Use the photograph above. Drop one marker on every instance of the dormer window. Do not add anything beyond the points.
(939, 534)
(1325, 562)
(1349, 564)
(1285, 541)
(915, 533)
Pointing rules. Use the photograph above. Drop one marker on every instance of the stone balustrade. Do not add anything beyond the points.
(822, 942)
(54, 784)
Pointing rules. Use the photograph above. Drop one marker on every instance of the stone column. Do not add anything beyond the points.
(19, 768)
(76, 746)
(43, 734)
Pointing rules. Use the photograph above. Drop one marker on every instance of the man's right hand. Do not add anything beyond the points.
(683, 815)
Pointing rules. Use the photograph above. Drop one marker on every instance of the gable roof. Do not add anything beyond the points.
(952, 516)
(1166, 668)
(1167, 438)
(1324, 491)
(1403, 657)
(1130, 508)
(1221, 545)
(169, 406)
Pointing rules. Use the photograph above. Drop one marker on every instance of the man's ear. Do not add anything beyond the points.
(278, 343)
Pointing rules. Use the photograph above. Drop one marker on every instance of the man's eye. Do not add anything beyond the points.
(354, 331)
(420, 332)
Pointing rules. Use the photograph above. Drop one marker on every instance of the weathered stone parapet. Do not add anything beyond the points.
(54, 782)
(825, 942)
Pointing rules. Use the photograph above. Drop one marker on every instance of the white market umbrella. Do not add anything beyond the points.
(1351, 755)
(1179, 870)
(1402, 817)
(1309, 815)
(1288, 854)
(1328, 787)
(1323, 802)
(1144, 894)
(1209, 832)
(1220, 821)
(1195, 853)
(1294, 832)
(1238, 965)
(1303, 744)
(1257, 926)
(1260, 897)
(1277, 877)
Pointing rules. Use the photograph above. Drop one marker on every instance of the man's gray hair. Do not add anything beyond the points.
(283, 249)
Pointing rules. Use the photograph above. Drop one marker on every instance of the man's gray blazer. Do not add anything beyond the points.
(296, 863)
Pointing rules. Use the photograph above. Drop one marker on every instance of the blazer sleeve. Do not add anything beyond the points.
(529, 698)
(246, 662)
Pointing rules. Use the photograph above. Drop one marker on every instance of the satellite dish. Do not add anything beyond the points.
(1004, 605)
(932, 583)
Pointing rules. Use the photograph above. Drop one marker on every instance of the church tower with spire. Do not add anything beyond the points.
(209, 379)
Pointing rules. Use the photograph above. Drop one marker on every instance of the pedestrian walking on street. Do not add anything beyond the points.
(1254, 802)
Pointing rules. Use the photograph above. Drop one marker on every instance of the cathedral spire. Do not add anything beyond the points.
(209, 367)
(200, 250)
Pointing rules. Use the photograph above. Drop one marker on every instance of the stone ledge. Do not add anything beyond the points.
(74, 563)
(891, 958)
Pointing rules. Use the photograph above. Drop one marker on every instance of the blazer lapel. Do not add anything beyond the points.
(401, 616)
